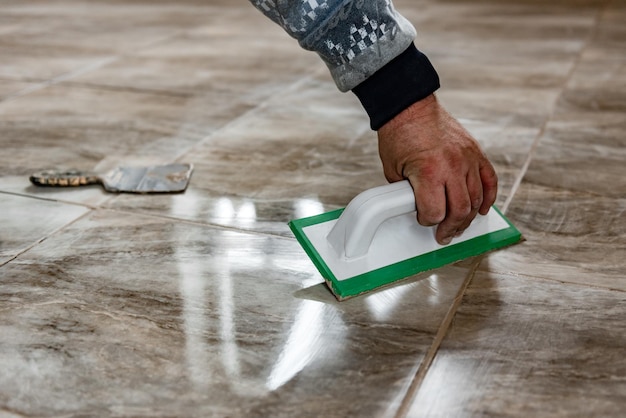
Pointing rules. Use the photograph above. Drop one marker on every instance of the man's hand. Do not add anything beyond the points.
(452, 178)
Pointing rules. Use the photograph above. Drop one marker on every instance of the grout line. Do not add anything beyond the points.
(533, 148)
(447, 321)
(89, 67)
(91, 209)
(288, 89)
(152, 215)
(59, 79)
(49, 199)
(529, 157)
(201, 224)
(128, 89)
(553, 280)
(40, 240)
(424, 366)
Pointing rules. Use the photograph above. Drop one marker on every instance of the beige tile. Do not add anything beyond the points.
(9, 88)
(217, 58)
(571, 237)
(525, 347)
(512, 44)
(50, 39)
(583, 147)
(25, 222)
(123, 315)
(599, 77)
(101, 26)
(40, 63)
(582, 152)
(501, 107)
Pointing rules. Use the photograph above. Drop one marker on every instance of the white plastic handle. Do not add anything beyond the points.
(354, 231)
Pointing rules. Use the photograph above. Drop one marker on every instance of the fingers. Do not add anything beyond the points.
(475, 189)
(459, 209)
(475, 192)
(465, 200)
(452, 204)
(489, 181)
(430, 200)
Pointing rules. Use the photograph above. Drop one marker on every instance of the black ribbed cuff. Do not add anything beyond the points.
(406, 79)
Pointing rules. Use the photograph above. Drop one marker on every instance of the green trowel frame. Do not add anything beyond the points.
(343, 289)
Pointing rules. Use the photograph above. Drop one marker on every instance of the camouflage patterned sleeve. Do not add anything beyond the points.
(358, 39)
(354, 38)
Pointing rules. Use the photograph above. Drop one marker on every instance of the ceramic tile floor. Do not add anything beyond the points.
(203, 304)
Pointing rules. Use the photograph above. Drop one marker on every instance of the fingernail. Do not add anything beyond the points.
(446, 240)
(458, 233)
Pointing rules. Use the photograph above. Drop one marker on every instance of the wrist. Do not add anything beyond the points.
(422, 112)
(405, 80)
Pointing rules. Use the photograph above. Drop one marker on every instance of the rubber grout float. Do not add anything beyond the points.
(376, 240)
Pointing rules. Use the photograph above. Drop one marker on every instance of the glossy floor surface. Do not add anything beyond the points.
(203, 304)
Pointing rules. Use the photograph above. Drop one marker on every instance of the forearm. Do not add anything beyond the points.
(355, 38)
(367, 46)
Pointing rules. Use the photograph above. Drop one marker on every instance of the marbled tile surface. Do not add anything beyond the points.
(122, 314)
(9, 88)
(528, 347)
(203, 304)
(572, 201)
(25, 222)
(218, 57)
(571, 237)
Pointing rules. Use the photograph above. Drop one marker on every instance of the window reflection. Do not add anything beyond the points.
(307, 207)
(210, 278)
(303, 344)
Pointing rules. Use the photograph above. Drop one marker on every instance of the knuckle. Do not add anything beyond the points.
(430, 217)
(490, 178)
(461, 212)
(475, 195)
(492, 183)
(391, 175)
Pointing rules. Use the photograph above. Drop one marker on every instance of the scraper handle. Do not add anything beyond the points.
(64, 178)
(354, 231)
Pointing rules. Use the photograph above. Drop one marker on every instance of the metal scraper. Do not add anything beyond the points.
(168, 178)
